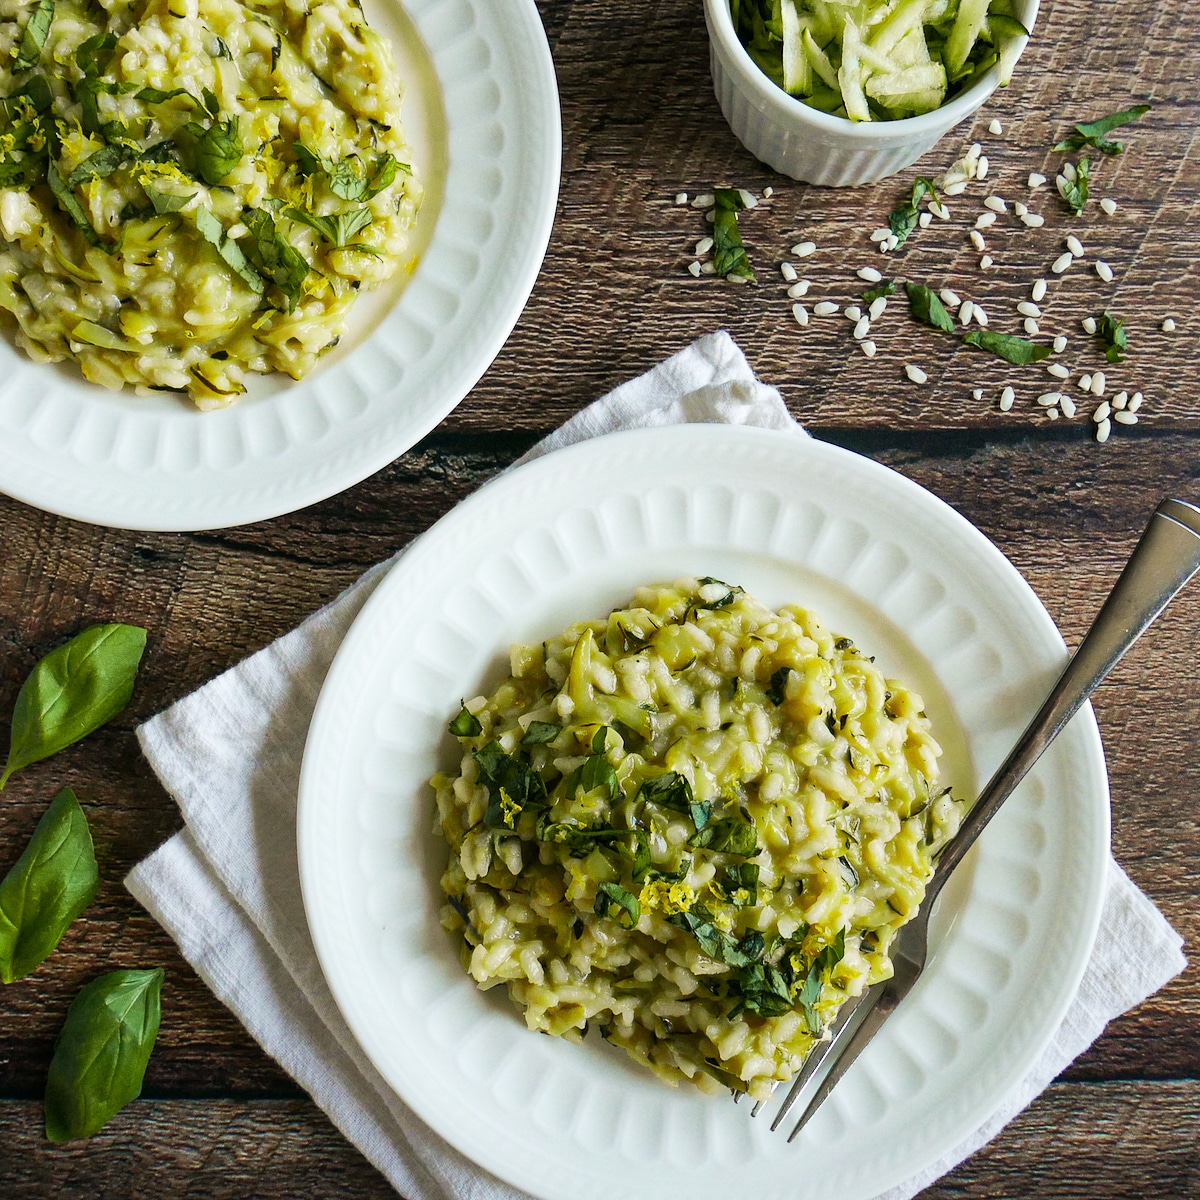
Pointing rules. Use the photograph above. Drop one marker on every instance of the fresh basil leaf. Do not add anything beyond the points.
(1075, 192)
(36, 93)
(928, 308)
(221, 48)
(98, 166)
(730, 835)
(810, 992)
(729, 254)
(1116, 339)
(539, 733)
(218, 149)
(101, 1054)
(777, 688)
(884, 288)
(466, 724)
(600, 740)
(278, 259)
(1091, 133)
(73, 691)
(211, 104)
(209, 226)
(47, 888)
(1004, 345)
(613, 901)
(33, 36)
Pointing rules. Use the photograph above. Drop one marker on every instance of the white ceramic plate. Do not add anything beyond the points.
(481, 113)
(570, 536)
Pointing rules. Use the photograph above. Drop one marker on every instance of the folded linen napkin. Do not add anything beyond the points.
(226, 887)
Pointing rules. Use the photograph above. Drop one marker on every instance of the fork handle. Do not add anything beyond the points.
(1167, 556)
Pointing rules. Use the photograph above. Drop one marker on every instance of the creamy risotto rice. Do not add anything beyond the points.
(693, 827)
(192, 191)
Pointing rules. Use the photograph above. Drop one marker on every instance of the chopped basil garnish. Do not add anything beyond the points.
(732, 592)
(739, 883)
(613, 901)
(513, 786)
(1091, 133)
(848, 870)
(729, 254)
(539, 733)
(927, 308)
(221, 48)
(87, 57)
(1116, 339)
(209, 226)
(1075, 192)
(810, 993)
(349, 177)
(884, 288)
(720, 946)
(218, 149)
(466, 724)
(278, 259)
(337, 228)
(33, 37)
(165, 202)
(597, 772)
(730, 835)
(765, 989)
(154, 96)
(98, 166)
(673, 791)
(1004, 345)
(74, 210)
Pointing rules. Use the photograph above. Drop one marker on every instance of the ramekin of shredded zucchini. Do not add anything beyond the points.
(194, 191)
(879, 60)
(692, 827)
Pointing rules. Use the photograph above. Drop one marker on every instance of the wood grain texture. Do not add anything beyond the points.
(640, 123)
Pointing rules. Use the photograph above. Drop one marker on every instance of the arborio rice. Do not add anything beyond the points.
(694, 826)
(194, 190)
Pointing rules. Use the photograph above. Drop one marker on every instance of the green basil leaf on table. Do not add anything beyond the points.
(47, 888)
(1091, 133)
(73, 691)
(101, 1054)
(928, 308)
(884, 288)
(1004, 345)
(729, 254)
(1075, 193)
(1116, 339)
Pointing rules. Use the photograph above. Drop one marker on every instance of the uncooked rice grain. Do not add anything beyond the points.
(915, 373)
(1104, 270)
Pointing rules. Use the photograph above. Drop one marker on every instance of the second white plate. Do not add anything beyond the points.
(569, 536)
(481, 114)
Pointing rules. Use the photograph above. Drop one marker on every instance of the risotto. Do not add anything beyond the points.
(192, 191)
(694, 826)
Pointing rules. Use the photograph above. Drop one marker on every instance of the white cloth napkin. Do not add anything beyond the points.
(227, 888)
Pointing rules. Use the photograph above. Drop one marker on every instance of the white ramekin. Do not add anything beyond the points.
(815, 146)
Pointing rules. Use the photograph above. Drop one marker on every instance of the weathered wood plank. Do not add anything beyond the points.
(640, 123)
(1077, 1140)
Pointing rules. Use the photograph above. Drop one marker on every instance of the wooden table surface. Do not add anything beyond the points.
(218, 1118)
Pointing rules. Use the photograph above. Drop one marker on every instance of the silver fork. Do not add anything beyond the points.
(1165, 558)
